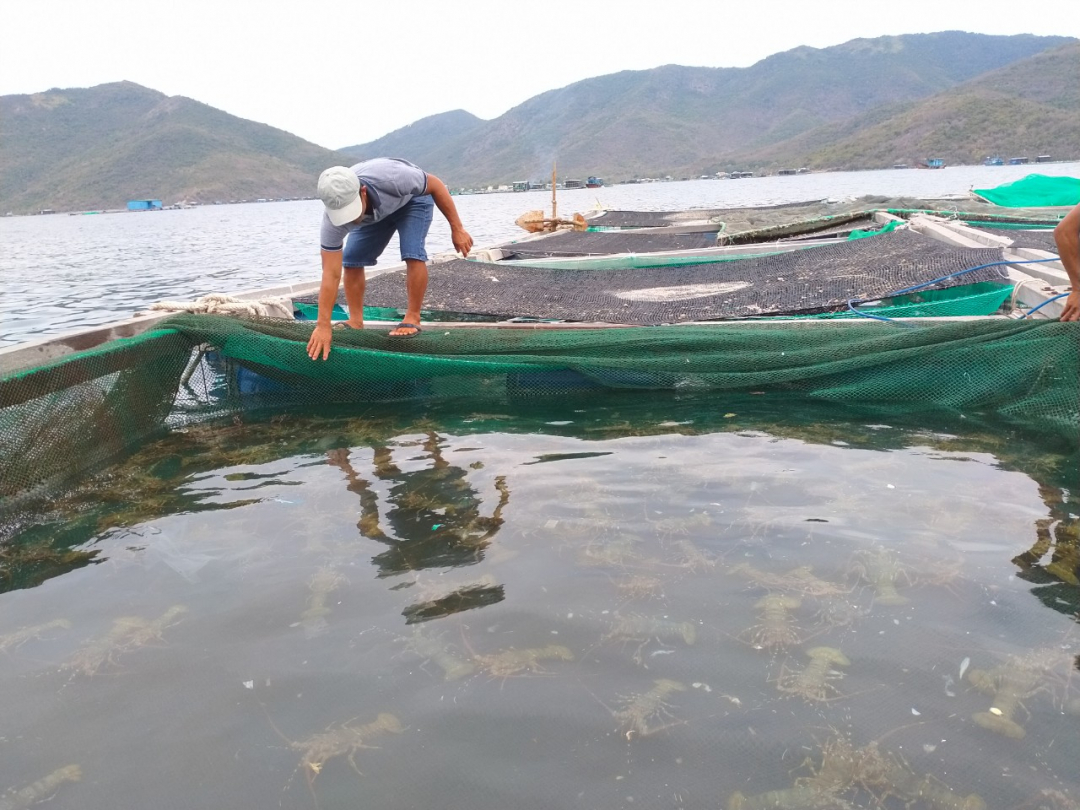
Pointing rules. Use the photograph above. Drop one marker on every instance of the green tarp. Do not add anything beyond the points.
(1035, 190)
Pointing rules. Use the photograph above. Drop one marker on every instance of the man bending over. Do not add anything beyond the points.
(365, 205)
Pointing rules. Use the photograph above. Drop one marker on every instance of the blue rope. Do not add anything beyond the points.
(1043, 304)
(853, 301)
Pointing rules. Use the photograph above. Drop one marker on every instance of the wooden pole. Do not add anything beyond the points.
(554, 207)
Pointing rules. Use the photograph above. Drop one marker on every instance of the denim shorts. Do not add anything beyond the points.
(365, 245)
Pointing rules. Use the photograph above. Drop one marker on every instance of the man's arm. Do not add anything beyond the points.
(441, 195)
(322, 335)
(1067, 237)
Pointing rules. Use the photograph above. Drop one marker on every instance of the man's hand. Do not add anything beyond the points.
(462, 241)
(1072, 307)
(319, 344)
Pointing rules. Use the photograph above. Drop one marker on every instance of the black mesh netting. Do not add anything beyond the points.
(766, 222)
(660, 219)
(577, 243)
(818, 280)
(1037, 240)
(866, 223)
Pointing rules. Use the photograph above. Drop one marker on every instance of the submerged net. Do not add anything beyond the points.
(818, 279)
(62, 420)
(1034, 190)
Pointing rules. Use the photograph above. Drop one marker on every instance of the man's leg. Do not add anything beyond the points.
(416, 278)
(355, 281)
(362, 249)
(412, 223)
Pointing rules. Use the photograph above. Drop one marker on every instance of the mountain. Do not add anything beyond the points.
(1029, 108)
(866, 103)
(435, 135)
(102, 146)
(677, 119)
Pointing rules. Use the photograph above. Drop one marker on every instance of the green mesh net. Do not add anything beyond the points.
(62, 420)
(964, 301)
(1010, 226)
(1034, 190)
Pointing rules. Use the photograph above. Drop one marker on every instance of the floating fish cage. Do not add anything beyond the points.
(641, 519)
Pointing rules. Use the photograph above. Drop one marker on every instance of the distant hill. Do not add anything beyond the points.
(102, 146)
(1028, 108)
(680, 120)
(866, 103)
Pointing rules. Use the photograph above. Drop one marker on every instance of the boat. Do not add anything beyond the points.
(570, 184)
(994, 161)
(594, 182)
(932, 163)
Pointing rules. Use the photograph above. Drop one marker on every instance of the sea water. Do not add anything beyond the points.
(635, 601)
(59, 273)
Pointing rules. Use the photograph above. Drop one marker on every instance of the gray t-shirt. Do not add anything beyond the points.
(390, 183)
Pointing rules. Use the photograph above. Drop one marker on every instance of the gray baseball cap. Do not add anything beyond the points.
(339, 189)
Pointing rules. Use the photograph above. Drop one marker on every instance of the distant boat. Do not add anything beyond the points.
(1018, 161)
(573, 184)
(932, 163)
(994, 161)
(594, 182)
(900, 166)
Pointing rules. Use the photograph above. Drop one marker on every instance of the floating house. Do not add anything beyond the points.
(144, 205)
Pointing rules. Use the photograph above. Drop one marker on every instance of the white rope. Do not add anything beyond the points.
(221, 304)
(1016, 291)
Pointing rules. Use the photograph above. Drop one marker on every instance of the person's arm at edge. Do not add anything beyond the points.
(463, 243)
(1067, 238)
(322, 334)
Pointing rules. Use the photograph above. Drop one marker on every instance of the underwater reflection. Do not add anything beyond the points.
(1057, 581)
(433, 520)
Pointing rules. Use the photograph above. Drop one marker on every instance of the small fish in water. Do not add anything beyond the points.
(963, 667)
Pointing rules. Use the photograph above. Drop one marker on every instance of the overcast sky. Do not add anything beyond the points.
(347, 72)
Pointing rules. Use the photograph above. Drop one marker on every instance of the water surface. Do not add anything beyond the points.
(563, 605)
